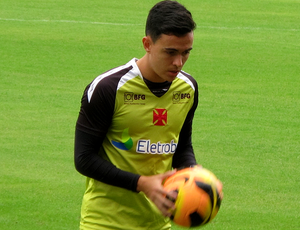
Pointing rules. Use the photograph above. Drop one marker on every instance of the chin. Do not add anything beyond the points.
(171, 78)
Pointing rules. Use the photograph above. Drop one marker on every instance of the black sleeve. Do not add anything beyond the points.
(184, 155)
(90, 164)
(93, 122)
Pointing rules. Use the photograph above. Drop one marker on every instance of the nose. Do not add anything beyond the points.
(178, 61)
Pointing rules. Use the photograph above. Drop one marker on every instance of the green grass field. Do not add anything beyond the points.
(246, 130)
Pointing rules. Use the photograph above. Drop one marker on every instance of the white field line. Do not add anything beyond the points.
(70, 21)
(246, 28)
(129, 24)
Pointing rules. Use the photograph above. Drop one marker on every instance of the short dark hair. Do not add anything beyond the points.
(169, 17)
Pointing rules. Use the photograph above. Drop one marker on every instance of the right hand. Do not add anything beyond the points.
(154, 190)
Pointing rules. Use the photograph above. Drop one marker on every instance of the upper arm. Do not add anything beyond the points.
(184, 155)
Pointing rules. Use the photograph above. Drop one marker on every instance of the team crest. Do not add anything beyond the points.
(160, 117)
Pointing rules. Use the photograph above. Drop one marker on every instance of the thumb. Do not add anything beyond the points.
(166, 175)
(169, 173)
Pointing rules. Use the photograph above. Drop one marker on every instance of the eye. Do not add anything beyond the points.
(171, 52)
(187, 52)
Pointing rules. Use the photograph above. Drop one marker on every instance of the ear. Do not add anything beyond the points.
(147, 42)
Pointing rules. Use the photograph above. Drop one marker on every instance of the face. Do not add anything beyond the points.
(166, 57)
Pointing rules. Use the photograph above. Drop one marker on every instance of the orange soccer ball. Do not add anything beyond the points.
(199, 196)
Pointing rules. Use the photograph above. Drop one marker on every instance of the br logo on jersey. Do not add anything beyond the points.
(160, 117)
(180, 98)
(130, 97)
(126, 141)
(176, 96)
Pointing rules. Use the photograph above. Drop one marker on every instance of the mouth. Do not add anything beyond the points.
(173, 73)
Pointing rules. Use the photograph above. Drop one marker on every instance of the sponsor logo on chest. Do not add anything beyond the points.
(144, 146)
(178, 97)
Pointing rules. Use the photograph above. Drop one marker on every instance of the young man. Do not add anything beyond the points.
(135, 125)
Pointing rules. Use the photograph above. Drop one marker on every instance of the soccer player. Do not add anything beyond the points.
(135, 126)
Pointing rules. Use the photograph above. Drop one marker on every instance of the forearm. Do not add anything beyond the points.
(184, 156)
(90, 164)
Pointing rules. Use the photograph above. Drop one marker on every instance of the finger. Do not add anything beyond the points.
(220, 188)
(165, 205)
(169, 173)
(172, 195)
(169, 203)
(219, 185)
(167, 209)
(166, 175)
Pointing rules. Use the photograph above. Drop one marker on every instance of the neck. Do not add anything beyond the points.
(146, 70)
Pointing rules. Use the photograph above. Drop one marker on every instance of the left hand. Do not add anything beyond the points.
(154, 190)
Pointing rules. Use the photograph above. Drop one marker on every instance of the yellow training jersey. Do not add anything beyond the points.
(142, 138)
